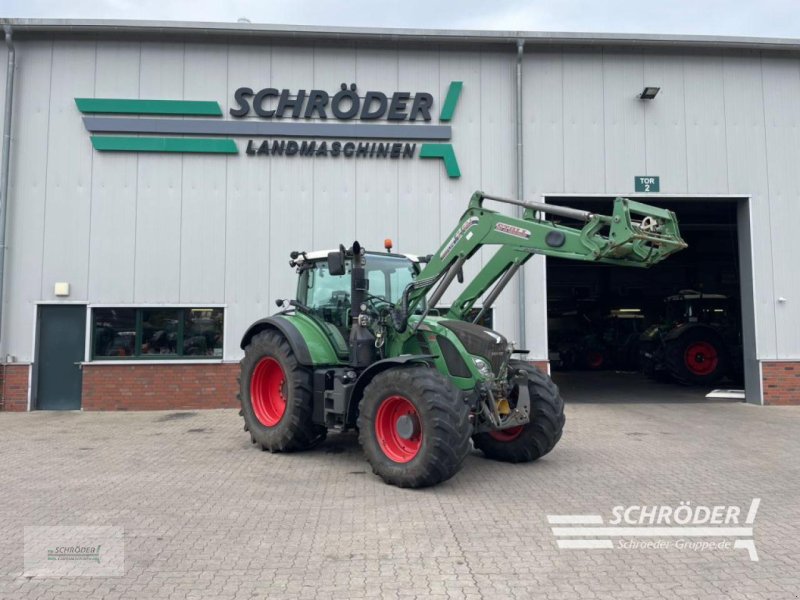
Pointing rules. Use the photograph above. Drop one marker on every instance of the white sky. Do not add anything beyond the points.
(769, 18)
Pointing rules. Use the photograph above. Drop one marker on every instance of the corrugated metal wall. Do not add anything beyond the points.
(126, 228)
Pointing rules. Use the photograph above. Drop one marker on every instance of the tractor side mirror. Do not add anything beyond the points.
(336, 262)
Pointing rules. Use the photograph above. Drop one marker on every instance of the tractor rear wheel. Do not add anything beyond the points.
(526, 443)
(275, 393)
(414, 427)
(697, 357)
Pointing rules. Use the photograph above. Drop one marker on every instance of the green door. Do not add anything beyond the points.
(62, 336)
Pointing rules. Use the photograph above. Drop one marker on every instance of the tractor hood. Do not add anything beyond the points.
(480, 341)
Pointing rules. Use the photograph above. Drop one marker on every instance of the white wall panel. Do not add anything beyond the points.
(69, 172)
(584, 152)
(114, 184)
(467, 142)
(291, 209)
(747, 175)
(705, 125)
(543, 116)
(665, 123)
(27, 189)
(202, 226)
(376, 199)
(624, 137)
(498, 168)
(3, 72)
(419, 183)
(543, 136)
(247, 238)
(782, 112)
(159, 184)
(333, 220)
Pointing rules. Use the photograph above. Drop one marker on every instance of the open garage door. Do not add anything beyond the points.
(675, 331)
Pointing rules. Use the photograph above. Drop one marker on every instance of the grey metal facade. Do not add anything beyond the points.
(126, 228)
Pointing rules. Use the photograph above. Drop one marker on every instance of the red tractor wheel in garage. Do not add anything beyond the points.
(697, 357)
(595, 359)
(701, 358)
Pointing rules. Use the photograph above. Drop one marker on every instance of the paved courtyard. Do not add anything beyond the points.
(206, 515)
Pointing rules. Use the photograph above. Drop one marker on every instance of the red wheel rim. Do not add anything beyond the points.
(594, 359)
(701, 358)
(390, 412)
(268, 392)
(507, 435)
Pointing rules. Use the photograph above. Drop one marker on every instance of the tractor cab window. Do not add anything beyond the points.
(389, 275)
(325, 294)
(699, 310)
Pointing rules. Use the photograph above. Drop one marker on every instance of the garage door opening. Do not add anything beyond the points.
(673, 332)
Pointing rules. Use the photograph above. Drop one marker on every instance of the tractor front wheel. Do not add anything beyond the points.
(275, 393)
(526, 443)
(414, 427)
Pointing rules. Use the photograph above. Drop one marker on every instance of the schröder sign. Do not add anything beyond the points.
(283, 114)
(345, 104)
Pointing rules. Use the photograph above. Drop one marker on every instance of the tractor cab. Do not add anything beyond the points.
(689, 306)
(327, 295)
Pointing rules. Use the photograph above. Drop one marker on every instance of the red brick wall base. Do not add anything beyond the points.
(14, 387)
(159, 387)
(781, 382)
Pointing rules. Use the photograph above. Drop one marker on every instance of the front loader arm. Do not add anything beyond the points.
(635, 234)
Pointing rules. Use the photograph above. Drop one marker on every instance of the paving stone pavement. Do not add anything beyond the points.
(206, 515)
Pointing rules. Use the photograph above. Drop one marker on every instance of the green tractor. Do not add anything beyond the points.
(697, 342)
(362, 346)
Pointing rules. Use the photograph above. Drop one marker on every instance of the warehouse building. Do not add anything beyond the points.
(159, 174)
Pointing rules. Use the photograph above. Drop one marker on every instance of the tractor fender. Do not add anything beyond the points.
(371, 371)
(289, 331)
(675, 333)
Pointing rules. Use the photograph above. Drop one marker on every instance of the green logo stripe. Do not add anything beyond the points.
(205, 108)
(161, 144)
(450, 101)
(445, 152)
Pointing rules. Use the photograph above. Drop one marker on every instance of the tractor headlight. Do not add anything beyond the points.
(483, 367)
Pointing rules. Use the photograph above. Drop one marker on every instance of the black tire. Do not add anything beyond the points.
(685, 362)
(294, 430)
(537, 438)
(442, 423)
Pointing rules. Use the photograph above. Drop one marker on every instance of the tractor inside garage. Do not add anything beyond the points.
(671, 331)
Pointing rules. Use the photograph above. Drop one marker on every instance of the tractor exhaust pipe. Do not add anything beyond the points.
(362, 340)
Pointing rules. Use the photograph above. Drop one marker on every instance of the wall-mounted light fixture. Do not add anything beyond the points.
(649, 92)
(61, 289)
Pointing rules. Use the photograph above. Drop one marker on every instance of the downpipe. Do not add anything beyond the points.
(520, 191)
(5, 164)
